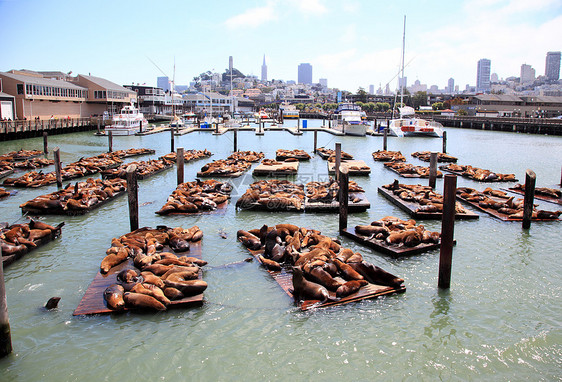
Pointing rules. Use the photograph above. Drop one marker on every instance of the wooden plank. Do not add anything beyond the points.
(7, 260)
(411, 208)
(361, 206)
(285, 280)
(544, 198)
(94, 303)
(34, 211)
(381, 246)
(355, 167)
(286, 168)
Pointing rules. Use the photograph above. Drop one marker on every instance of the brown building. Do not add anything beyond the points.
(58, 95)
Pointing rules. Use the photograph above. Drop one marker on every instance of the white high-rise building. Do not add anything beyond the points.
(163, 83)
(552, 69)
(264, 70)
(527, 74)
(483, 75)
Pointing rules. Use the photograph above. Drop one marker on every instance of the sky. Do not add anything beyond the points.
(351, 43)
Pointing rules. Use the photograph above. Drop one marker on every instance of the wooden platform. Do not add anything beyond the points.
(361, 206)
(461, 174)
(325, 156)
(94, 303)
(285, 280)
(291, 154)
(221, 175)
(221, 210)
(139, 176)
(411, 175)
(381, 246)
(355, 167)
(411, 207)
(285, 168)
(34, 211)
(496, 214)
(544, 198)
(7, 260)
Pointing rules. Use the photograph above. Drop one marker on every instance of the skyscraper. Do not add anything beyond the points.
(305, 74)
(451, 85)
(163, 83)
(323, 82)
(264, 70)
(483, 75)
(527, 74)
(552, 70)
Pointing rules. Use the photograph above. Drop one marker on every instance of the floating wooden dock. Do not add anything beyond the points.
(94, 303)
(412, 208)
(544, 198)
(355, 167)
(361, 205)
(107, 175)
(10, 259)
(52, 211)
(284, 168)
(381, 246)
(220, 210)
(285, 280)
(462, 174)
(410, 175)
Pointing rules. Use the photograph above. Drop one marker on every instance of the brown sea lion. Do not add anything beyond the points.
(347, 271)
(151, 278)
(151, 290)
(320, 276)
(307, 290)
(350, 287)
(177, 268)
(376, 275)
(271, 265)
(193, 260)
(10, 249)
(114, 259)
(181, 276)
(173, 293)
(189, 287)
(157, 269)
(113, 295)
(142, 301)
(128, 276)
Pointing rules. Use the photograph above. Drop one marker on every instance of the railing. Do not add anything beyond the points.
(21, 126)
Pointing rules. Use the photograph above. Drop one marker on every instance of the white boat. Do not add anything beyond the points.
(127, 122)
(347, 119)
(289, 111)
(261, 116)
(189, 119)
(409, 126)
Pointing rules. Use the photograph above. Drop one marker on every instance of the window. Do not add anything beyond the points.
(20, 89)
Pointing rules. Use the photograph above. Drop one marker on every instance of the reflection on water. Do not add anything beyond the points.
(501, 316)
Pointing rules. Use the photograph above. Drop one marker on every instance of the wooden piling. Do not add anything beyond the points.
(343, 196)
(447, 231)
(235, 139)
(99, 128)
(45, 142)
(530, 178)
(133, 195)
(316, 140)
(444, 142)
(432, 169)
(338, 160)
(56, 154)
(5, 336)
(172, 148)
(140, 127)
(180, 160)
(110, 141)
(385, 139)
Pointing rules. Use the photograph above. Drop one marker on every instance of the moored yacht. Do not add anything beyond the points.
(347, 119)
(127, 122)
(408, 125)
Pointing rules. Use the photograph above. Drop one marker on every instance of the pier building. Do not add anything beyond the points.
(61, 96)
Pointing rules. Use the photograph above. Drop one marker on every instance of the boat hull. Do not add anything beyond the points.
(122, 131)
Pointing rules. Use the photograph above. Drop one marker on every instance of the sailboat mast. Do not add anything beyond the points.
(402, 77)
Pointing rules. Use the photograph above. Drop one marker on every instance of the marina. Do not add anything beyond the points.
(244, 311)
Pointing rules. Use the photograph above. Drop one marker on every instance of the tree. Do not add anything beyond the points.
(437, 106)
(419, 99)
(462, 112)
(361, 95)
(446, 105)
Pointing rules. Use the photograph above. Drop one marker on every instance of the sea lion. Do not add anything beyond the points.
(142, 301)
(193, 260)
(151, 290)
(114, 259)
(319, 275)
(178, 244)
(347, 271)
(178, 268)
(271, 265)
(189, 287)
(10, 249)
(350, 287)
(151, 278)
(181, 276)
(113, 295)
(157, 269)
(307, 290)
(376, 275)
(52, 303)
(128, 276)
(173, 293)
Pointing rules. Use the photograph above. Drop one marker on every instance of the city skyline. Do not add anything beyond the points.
(350, 43)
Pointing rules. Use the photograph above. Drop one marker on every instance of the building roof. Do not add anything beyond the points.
(544, 99)
(498, 97)
(32, 80)
(4, 95)
(106, 84)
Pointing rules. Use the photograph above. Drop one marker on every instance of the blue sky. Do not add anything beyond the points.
(351, 43)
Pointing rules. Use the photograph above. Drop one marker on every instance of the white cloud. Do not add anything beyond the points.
(253, 17)
(310, 6)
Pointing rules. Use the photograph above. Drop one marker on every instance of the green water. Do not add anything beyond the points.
(501, 319)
